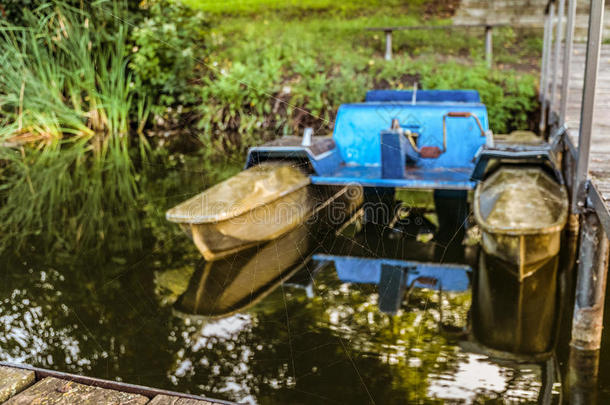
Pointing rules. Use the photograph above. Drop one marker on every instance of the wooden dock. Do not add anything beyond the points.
(599, 168)
(21, 385)
(575, 96)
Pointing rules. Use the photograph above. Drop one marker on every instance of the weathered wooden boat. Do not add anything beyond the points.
(521, 212)
(257, 205)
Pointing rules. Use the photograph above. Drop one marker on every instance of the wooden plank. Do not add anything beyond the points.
(13, 381)
(600, 164)
(167, 400)
(53, 391)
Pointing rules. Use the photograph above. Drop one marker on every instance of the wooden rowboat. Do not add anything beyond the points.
(521, 212)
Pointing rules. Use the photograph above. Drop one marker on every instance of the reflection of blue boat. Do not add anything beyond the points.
(365, 270)
(394, 276)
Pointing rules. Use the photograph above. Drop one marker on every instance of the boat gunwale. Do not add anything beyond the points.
(227, 216)
(557, 226)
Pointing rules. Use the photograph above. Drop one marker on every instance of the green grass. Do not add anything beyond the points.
(292, 7)
(69, 93)
(273, 73)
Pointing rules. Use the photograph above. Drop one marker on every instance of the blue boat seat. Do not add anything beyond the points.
(357, 136)
(428, 96)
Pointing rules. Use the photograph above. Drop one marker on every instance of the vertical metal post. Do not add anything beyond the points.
(388, 45)
(567, 60)
(588, 315)
(545, 44)
(594, 42)
(547, 70)
(558, 35)
(489, 47)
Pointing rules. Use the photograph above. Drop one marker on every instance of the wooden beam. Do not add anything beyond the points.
(388, 45)
(489, 45)
(168, 400)
(14, 380)
(587, 322)
(53, 391)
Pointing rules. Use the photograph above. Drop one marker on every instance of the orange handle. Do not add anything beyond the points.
(459, 114)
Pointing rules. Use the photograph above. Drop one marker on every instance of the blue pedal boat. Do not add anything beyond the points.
(394, 139)
(430, 139)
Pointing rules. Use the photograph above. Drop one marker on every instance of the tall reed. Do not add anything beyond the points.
(65, 96)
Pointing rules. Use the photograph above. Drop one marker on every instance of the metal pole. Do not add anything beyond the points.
(587, 322)
(567, 59)
(388, 45)
(545, 44)
(558, 35)
(489, 45)
(594, 42)
(547, 66)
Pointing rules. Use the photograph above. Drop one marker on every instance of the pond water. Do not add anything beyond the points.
(369, 316)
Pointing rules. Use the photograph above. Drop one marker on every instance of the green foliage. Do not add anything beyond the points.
(298, 7)
(70, 105)
(12, 10)
(169, 46)
(272, 78)
(509, 98)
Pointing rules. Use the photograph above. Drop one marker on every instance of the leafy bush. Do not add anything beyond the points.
(510, 98)
(12, 10)
(168, 51)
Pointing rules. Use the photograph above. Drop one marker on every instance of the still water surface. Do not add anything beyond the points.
(315, 317)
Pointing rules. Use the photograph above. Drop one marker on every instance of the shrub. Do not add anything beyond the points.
(510, 98)
(168, 52)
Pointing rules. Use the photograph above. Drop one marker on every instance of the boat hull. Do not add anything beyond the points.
(521, 212)
(266, 223)
(526, 252)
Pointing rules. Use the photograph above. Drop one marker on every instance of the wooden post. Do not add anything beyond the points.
(388, 45)
(582, 377)
(588, 315)
(489, 45)
(567, 59)
(545, 44)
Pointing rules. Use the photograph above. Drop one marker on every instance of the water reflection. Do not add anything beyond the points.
(312, 318)
(513, 316)
(237, 282)
(372, 319)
